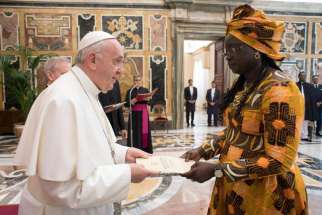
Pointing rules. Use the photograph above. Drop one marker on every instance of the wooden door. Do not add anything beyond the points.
(219, 66)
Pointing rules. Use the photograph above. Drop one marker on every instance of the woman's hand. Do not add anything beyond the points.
(201, 171)
(193, 154)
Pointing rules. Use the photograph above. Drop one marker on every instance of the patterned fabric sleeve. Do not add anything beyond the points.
(213, 148)
(282, 109)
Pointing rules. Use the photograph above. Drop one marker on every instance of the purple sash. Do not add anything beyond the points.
(145, 121)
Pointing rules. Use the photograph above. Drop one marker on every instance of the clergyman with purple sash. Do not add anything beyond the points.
(140, 118)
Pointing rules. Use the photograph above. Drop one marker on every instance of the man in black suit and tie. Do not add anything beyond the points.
(212, 98)
(318, 102)
(307, 91)
(190, 95)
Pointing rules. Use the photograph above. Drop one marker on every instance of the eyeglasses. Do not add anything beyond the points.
(232, 50)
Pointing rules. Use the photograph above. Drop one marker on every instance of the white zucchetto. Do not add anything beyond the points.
(94, 37)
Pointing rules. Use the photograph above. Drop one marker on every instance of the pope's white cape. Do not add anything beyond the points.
(63, 142)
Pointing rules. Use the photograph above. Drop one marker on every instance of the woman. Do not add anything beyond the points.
(140, 117)
(257, 171)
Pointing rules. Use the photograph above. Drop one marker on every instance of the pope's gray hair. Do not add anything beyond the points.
(82, 54)
(52, 62)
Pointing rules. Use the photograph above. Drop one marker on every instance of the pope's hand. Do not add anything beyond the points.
(132, 154)
(139, 173)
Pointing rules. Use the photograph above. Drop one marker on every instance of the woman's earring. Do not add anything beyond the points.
(257, 55)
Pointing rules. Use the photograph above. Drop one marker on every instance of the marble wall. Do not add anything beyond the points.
(144, 33)
(302, 43)
(147, 36)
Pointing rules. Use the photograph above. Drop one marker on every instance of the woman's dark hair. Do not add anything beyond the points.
(239, 85)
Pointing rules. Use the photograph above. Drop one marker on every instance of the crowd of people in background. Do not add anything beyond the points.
(312, 93)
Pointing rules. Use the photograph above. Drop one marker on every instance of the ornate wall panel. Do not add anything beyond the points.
(316, 67)
(127, 29)
(317, 38)
(58, 30)
(48, 32)
(158, 33)
(134, 66)
(8, 30)
(293, 66)
(294, 38)
(85, 24)
(302, 43)
(158, 66)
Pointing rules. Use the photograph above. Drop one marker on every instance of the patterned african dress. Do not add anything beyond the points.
(258, 153)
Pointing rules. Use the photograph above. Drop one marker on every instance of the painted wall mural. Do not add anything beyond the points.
(57, 31)
(317, 38)
(316, 67)
(292, 67)
(127, 29)
(158, 66)
(158, 28)
(294, 38)
(133, 66)
(48, 32)
(8, 30)
(85, 24)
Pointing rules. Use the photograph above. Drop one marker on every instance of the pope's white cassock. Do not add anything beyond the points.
(66, 148)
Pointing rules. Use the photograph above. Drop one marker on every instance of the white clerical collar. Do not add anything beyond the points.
(85, 81)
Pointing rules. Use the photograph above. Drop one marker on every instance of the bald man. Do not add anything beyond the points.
(55, 67)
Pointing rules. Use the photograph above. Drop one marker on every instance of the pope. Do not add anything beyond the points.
(68, 145)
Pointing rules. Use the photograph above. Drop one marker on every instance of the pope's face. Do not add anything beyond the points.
(109, 64)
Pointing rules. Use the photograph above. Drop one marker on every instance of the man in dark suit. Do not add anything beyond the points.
(318, 102)
(212, 98)
(307, 91)
(115, 117)
(190, 95)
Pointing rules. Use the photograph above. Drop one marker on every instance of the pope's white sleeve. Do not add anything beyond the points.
(120, 153)
(106, 185)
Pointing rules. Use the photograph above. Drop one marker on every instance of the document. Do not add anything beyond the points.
(113, 107)
(142, 96)
(166, 165)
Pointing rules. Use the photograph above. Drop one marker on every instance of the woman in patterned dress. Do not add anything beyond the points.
(256, 172)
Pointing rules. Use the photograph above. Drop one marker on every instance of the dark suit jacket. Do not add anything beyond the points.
(311, 112)
(212, 108)
(116, 117)
(318, 95)
(187, 97)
